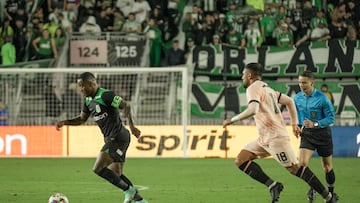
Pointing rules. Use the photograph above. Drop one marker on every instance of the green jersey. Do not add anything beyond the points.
(316, 21)
(45, 47)
(269, 24)
(285, 39)
(104, 108)
(234, 39)
(155, 48)
(257, 4)
(59, 41)
(217, 48)
(317, 3)
(8, 54)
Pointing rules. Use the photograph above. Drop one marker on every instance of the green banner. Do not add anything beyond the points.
(211, 100)
(333, 58)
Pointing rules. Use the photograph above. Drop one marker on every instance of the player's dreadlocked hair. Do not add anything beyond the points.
(255, 68)
(87, 76)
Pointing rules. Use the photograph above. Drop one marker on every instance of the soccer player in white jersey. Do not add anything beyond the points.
(273, 140)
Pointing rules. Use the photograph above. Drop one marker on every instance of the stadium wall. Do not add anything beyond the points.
(165, 141)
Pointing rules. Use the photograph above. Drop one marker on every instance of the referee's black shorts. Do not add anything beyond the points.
(317, 139)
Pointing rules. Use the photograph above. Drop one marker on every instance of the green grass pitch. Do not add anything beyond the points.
(33, 180)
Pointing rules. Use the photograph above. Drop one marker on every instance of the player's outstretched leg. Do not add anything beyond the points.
(275, 191)
(110, 176)
(311, 195)
(254, 171)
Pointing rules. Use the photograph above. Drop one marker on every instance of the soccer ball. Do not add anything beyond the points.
(58, 198)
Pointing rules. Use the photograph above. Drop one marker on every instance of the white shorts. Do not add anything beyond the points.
(279, 148)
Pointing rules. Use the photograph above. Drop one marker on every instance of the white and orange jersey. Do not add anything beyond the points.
(268, 119)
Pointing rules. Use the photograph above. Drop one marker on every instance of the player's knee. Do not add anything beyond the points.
(303, 163)
(244, 156)
(293, 169)
(96, 170)
(327, 168)
(239, 162)
(117, 171)
(305, 173)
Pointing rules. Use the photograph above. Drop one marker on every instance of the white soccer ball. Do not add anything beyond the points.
(58, 198)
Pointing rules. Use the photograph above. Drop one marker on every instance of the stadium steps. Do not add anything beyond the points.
(32, 110)
(154, 102)
(32, 105)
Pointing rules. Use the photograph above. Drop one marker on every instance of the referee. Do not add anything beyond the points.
(315, 115)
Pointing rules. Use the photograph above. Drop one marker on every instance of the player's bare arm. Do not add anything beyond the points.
(290, 105)
(82, 118)
(127, 112)
(250, 111)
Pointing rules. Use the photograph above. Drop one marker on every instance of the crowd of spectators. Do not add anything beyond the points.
(39, 33)
(35, 33)
(281, 23)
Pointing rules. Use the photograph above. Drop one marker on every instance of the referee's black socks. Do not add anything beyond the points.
(330, 179)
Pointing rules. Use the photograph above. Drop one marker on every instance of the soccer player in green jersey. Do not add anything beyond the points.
(103, 105)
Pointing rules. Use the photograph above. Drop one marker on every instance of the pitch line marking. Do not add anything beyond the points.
(141, 187)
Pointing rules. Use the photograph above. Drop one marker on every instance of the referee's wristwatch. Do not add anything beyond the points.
(316, 124)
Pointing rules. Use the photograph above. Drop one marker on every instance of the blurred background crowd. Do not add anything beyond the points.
(37, 29)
